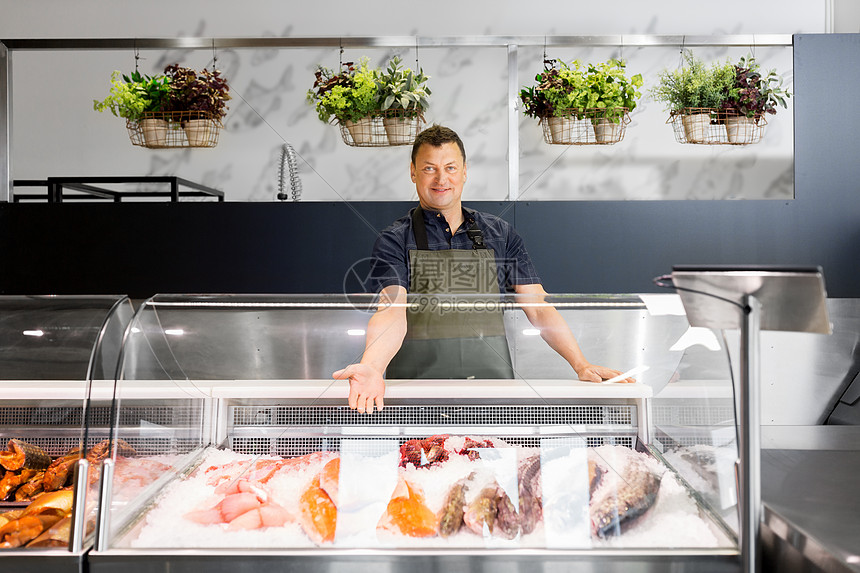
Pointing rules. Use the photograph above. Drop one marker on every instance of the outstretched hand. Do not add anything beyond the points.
(366, 385)
(592, 373)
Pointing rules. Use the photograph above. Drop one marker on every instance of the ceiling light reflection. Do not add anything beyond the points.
(33, 333)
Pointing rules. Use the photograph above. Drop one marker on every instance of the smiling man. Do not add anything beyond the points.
(443, 248)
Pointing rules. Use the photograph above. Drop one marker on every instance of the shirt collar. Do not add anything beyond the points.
(468, 214)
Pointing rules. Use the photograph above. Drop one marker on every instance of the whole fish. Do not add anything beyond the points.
(492, 512)
(623, 499)
(451, 516)
(507, 518)
(531, 506)
(482, 511)
(595, 476)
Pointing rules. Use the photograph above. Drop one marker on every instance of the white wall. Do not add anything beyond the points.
(846, 16)
(57, 133)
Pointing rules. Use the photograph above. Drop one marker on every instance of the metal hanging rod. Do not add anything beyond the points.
(633, 40)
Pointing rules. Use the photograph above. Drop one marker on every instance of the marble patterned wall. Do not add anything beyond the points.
(56, 132)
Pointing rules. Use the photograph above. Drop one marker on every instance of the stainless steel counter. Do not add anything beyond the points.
(811, 517)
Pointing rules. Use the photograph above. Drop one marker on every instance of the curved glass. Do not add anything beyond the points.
(55, 354)
(233, 434)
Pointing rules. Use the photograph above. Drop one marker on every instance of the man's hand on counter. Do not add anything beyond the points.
(592, 373)
(366, 385)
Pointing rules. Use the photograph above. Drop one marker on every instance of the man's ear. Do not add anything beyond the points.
(412, 171)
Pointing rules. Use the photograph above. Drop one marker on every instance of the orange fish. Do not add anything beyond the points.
(407, 513)
(329, 477)
(318, 513)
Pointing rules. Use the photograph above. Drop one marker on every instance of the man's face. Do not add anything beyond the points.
(439, 174)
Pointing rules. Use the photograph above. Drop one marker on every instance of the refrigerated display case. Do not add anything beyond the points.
(235, 448)
(55, 354)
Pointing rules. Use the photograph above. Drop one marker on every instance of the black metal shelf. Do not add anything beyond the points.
(92, 188)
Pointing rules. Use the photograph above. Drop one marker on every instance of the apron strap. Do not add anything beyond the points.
(419, 229)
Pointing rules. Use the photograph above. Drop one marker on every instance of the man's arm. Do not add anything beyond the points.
(385, 332)
(556, 333)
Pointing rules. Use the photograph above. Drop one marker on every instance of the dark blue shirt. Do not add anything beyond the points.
(391, 252)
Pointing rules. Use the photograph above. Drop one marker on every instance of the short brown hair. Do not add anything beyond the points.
(437, 135)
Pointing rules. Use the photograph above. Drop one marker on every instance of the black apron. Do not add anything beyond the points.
(448, 336)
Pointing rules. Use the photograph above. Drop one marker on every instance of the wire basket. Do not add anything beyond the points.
(586, 126)
(171, 129)
(385, 129)
(710, 126)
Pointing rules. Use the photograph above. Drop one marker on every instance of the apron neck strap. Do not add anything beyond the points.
(419, 229)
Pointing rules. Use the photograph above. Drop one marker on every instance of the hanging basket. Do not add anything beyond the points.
(171, 129)
(385, 129)
(710, 126)
(586, 127)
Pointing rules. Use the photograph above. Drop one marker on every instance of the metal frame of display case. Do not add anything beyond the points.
(510, 43)
(105, 559)
(291, 395)
(795, 300)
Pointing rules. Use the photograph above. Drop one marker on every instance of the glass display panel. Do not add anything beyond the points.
(233, 434)
(55, 352)
(54, 337)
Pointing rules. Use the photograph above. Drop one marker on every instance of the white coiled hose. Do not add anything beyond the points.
(289, 162)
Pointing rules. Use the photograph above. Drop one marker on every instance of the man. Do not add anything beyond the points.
(441, 234)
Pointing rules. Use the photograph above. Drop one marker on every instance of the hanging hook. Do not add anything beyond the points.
(340, 66)
(136, 55)
(753, 47)
(683, 49)
(544, 48)
(621, 54)
(417, 66)
(214, 57)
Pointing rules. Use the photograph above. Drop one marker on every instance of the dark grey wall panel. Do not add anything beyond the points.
(581, 246)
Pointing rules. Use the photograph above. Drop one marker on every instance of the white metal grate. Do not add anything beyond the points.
(98, 416)
(291, 447)
(436, 415)
(613, 424)
(704, 415)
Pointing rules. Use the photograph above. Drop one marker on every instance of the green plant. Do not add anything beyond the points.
(754, 94)
(401, 89)
(348, 95)
(559, 88)
(131, 96)
(564, 90)
(609, 89)
(694, 85)
(205, 92)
